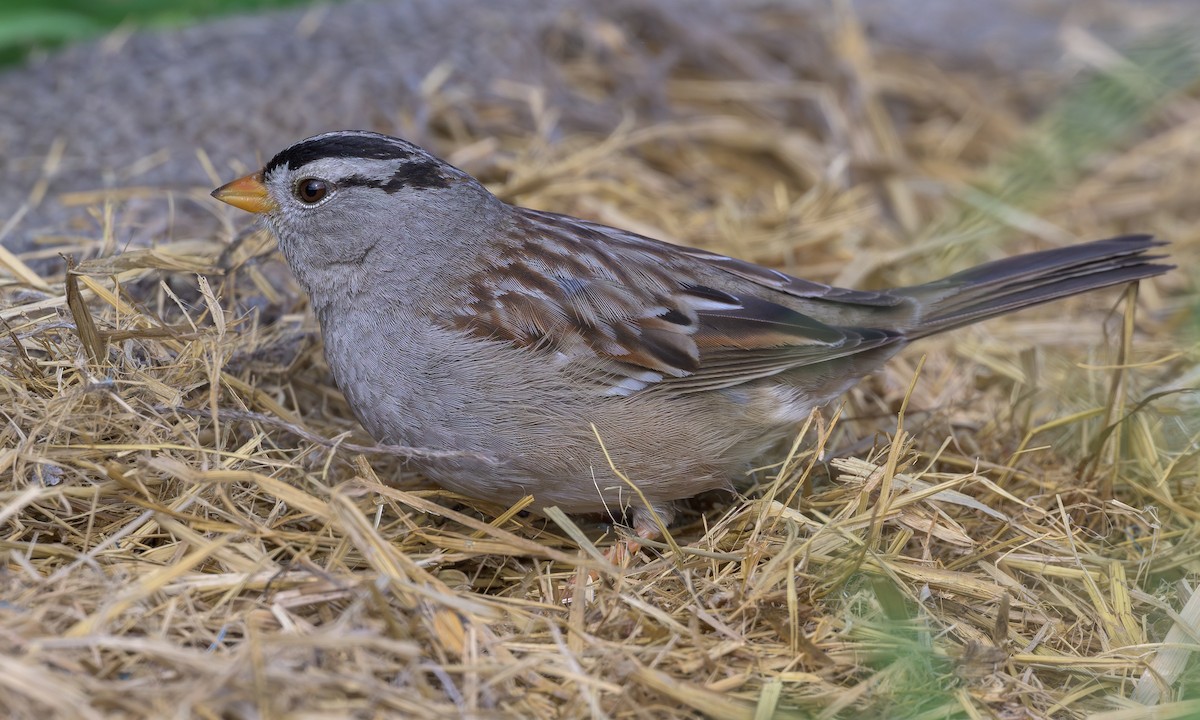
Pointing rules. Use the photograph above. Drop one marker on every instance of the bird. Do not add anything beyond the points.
(596, 369)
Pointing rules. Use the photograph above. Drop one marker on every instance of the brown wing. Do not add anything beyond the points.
(636, 313)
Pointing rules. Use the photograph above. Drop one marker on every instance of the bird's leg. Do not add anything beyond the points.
(646, 528)
(624, 549)
(622, 552)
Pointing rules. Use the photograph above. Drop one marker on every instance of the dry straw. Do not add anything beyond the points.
(1002, 524)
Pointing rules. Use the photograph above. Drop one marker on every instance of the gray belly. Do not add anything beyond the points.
(508, 428)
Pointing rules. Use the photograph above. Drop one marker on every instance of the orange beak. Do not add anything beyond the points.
(247, 193)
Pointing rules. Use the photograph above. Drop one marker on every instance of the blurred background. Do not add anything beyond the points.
(1022, 32)
(42, 25)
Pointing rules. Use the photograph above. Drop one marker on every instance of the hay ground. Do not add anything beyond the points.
(1004, 523)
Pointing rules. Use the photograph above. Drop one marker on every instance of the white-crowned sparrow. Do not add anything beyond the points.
(457, 322)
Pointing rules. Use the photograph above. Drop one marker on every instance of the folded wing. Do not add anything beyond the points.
(632, 315)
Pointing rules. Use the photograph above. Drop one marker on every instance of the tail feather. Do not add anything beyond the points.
(1018, 282)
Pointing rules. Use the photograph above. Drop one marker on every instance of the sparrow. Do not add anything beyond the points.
(593, 368)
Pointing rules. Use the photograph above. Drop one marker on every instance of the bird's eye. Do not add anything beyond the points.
(311, 191)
